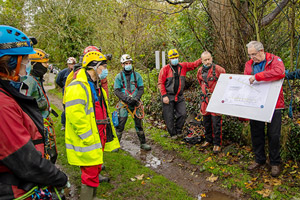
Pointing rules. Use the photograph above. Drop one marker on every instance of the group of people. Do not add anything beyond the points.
(28, 149)
(262, 66)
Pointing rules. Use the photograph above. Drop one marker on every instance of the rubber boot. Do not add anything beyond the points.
(86, 193)
(103, 179)
(142, 139)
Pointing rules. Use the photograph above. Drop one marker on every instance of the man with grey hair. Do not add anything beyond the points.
(208, 76)
(265, 66)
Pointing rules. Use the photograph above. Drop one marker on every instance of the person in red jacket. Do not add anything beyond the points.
(171, 82)
(22, 162)
(208, 76)
(265, 66)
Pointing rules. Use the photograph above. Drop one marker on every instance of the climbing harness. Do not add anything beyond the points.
(204, 97)
(124, 86)
(138, 111)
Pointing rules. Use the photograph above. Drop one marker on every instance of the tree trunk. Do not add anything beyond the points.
(227, 36)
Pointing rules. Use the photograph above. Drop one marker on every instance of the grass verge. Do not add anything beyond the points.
(124, 172)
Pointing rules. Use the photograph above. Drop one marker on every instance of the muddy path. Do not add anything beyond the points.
(166, 163)
(177, 170)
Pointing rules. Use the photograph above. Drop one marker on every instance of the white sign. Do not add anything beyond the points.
(157, 64)
(233, 95)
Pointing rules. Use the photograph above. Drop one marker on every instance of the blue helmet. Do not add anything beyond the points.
(14, 42)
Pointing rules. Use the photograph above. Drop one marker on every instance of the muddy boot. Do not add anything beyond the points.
(103, 179)
(86, 193)
(142, 139)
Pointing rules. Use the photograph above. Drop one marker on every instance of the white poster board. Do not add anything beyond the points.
(233, 95)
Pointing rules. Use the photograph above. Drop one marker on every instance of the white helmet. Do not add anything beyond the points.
(71, 60)
(125, 58)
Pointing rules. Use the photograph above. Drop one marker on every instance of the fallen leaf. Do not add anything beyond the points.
(276, 182)
(203, 195)
(208, 159)
(212, 178)
(264, 192)
(139, 177)
(143, 183)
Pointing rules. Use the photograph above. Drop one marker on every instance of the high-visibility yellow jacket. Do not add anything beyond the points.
(82, 137)
(109, 145)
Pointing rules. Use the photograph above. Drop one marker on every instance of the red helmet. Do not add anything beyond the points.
(90, 48)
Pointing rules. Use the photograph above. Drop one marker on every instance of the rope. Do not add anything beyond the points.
(57, 193)
(290, 113)
(134, 114)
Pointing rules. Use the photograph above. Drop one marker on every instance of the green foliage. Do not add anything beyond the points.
(236, 131)
(293, 142)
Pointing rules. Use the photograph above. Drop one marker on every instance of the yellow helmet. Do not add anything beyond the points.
(173, 53)
(92, 58)
(40, 56)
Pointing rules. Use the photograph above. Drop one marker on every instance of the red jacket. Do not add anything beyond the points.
(274, 70)
(166, 79)
(22, 165)
(210, 85)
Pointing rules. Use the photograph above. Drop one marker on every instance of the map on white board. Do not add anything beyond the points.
(240, 92)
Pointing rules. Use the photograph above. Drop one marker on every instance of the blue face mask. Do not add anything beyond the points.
(104, 74)
(174, 62)
(28, 68)
(128, 67)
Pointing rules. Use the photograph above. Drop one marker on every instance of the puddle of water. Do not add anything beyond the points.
(152, 161)
(214, 195)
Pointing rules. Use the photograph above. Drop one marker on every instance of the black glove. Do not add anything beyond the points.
(134, 102)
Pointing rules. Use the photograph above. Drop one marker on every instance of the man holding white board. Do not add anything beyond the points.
(265, 66)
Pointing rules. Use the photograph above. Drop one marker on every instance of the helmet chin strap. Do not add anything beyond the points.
(16, 77)
(17, 70)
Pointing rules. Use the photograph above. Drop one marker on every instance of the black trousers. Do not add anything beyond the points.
(122, 121)
(273, 134)
(174, 115)
(213, 129)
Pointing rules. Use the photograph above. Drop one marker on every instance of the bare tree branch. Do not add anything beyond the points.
(176, 2)
(266, 20)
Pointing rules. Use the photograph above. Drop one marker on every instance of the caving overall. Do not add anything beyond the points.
(129, 84)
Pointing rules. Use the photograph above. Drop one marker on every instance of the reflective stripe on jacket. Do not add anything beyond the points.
(82, 137)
